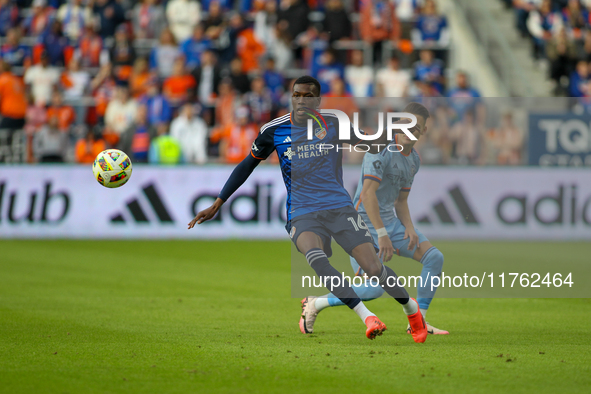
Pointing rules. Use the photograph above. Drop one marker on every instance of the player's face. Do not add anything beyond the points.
(417, 131)
(304, 96)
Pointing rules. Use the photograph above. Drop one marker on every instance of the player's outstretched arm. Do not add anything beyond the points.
(238, 177)
(207, 213)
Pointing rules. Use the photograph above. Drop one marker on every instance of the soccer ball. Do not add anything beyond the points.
(112, 168)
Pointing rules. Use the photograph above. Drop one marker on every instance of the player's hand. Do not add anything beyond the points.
(207, 213)
(386, 249)
(414, 238)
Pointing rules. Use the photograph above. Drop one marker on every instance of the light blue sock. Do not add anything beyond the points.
(364, 291)
(432, 264)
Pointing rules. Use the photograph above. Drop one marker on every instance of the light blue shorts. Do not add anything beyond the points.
(396, 232)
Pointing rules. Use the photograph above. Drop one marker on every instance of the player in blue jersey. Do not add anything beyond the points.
(383, 189)
(319, 208)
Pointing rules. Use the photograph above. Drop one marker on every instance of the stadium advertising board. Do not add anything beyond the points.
(158, 202)
(560, 140)
(503, 203)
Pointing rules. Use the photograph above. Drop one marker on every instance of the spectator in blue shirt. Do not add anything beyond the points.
(316, 43)
(12, 53)
(135, 140)
(54, 44)
(463, 97)
(195, 46)
(273, 79)
(224, 4)
(158, 107)
(463, 88)
(579, 81)
(431, 28)
(9, 16)
(429, 70)
(39, 18)
(328, 70)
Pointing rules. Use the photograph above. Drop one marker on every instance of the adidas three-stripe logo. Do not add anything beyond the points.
(443, 213)
(288, 139)
(137, 212)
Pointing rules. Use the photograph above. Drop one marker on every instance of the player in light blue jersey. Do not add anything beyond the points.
(382, 201)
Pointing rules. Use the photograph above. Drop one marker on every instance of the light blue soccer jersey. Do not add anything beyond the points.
(394, 171)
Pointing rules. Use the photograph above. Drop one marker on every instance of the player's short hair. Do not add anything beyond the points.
(308, 80)
(417, 109)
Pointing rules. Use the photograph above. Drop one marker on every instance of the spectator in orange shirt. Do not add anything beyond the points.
(13, 101)
(88, 148)
(64, 113)
(338, 98)
(236, 138)
(248, 46)
(225, 104)
(379, 24)
(140, 78)
(90, 47)
(176, 87)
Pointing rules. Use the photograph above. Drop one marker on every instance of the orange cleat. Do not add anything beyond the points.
(418, 327)
(374, 327)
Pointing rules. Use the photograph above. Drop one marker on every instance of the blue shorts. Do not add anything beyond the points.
(344, 225)
(396, 233)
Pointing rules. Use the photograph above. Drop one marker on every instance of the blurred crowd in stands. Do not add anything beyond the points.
(186, 81)
(560, 31)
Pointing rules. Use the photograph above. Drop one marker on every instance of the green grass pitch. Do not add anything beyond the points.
(207, 317)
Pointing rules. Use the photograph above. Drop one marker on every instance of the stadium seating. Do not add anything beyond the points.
(105, 55)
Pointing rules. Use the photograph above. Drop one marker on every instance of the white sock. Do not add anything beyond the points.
(411, 307)
(321, 303)
(362, 311)
(424, 313)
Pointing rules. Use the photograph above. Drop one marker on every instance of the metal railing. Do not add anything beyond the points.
(496, 48)
(16, 150)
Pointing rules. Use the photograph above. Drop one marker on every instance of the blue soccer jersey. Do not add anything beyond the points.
(313, 176)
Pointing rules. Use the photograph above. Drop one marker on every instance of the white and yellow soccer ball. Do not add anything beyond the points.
(112, 168)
